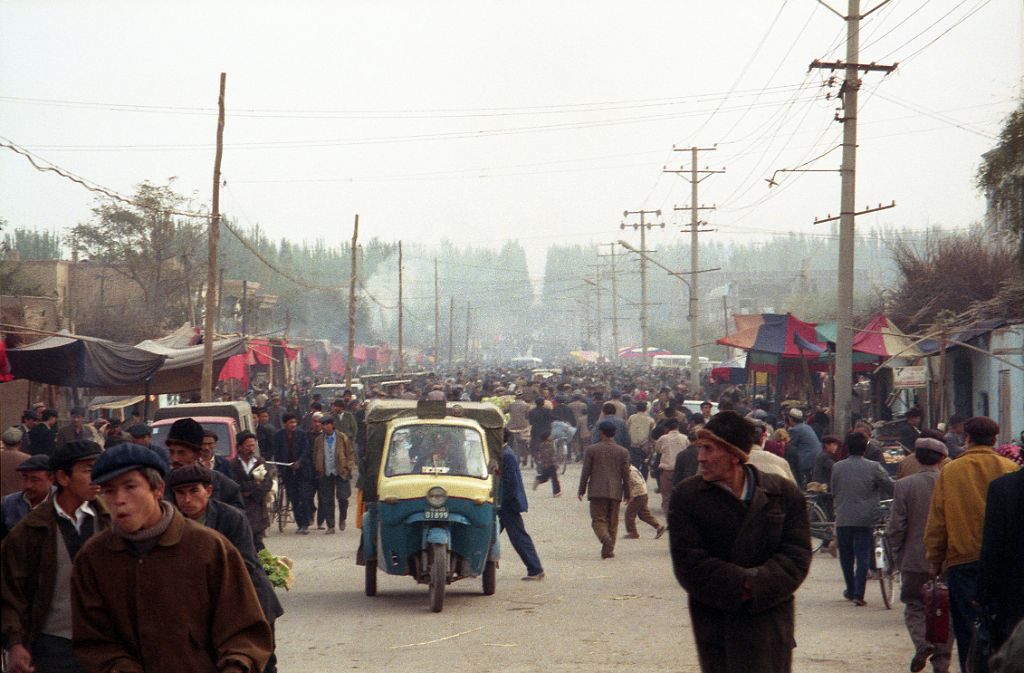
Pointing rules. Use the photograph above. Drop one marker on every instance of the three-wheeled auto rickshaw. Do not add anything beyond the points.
(430, 493)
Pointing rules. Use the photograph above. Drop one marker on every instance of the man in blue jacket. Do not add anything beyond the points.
(291, 446)
(510, 514)
(804, 446)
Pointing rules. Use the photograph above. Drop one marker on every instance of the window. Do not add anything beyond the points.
(436, 449)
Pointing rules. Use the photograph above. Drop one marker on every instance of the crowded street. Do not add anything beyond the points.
(589, 614)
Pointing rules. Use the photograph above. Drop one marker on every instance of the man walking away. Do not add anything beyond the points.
(740, 545)
(669, 446)
(952, 536)
(637, 506)
(605, 480)
(640, 425)
(858, 484)
(803, 447)
(547, 466)
(911, 499)
(513, 504)
(1000, 581)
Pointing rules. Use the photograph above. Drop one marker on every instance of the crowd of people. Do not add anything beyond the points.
(731, 471)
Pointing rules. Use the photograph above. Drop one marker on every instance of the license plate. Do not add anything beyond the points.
(441, 513)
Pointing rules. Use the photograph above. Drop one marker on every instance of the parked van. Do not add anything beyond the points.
(224, 418)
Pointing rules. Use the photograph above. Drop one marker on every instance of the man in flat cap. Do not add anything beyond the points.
(193, 492)
(158, 592)
(185, 445)
(36, 484)
(35, 613)
(605, 481)
(74, 431)
(334, 460)
(740, 546)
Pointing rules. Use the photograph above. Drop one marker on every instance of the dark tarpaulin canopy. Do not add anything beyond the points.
(182, 369)
(84, 362)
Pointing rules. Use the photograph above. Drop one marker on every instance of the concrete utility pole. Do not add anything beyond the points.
(401, 352)
(643, 227)
(437, 318)
(615, 303)
(468, 310)
(596, 284)
(352, 306)
(843, 380)
(214, 236)
(695, 179)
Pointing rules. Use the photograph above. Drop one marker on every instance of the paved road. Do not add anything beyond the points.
(621, 614)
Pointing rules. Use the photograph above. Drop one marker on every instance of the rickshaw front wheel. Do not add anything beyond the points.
(438, 575)
(371, 577)
(490, 578)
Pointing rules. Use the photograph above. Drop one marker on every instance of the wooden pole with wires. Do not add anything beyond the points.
(352, 306)
(214, 236)
(451, 332)
(437, 318)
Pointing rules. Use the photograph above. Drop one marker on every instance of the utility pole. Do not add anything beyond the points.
(352, 306)
(695, 178)
(596, 284)
(437, 319)
(615, 302)
(643, 227)
(401, 353)
(451, 333)
(214, 236)
(843, 380)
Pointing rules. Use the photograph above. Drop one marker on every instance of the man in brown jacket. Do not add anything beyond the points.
(334, 459)
(605, 480)
(158, 592)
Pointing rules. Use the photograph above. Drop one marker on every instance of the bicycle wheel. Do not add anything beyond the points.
(886, 572)
(562, 455)
(282, 507)
(821, 527)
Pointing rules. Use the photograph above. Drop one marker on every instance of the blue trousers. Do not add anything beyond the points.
(854, 557)
(963, 588)
(512, 523)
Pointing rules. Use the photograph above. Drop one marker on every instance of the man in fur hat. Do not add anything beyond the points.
(740, 545)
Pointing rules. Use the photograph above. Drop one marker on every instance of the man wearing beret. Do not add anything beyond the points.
(740, 545)
(35, 612)
(36, 484)
(605, 480)
(185, 445)
(192, 490)
(158, 592)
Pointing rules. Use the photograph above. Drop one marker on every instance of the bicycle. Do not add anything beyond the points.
(562, 456)
(822, 527)
(884, 564)
(282, 509)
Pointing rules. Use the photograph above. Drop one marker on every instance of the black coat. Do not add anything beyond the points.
(741, 564)
(232, 524)
(1000, 581)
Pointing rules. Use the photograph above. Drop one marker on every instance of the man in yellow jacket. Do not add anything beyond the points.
(952, 536)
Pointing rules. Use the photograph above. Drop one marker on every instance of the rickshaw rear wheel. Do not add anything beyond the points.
(371, 577)
(438, 575)
(490, 578)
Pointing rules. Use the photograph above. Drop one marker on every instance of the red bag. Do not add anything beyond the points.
(936, 611)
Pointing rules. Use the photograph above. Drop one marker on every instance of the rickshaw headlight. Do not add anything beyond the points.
(437, 496)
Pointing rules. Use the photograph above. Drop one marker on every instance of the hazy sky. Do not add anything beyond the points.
(482, 121)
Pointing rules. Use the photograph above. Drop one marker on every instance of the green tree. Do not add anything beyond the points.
(158, 252)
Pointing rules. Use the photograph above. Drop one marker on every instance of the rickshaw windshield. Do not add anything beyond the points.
(436, 449)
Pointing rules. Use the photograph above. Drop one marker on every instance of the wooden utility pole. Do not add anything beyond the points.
(451, 333)
(437, 318)
(220, 297)
(352, 306)
(214, 236)
(695, 178)
(847, 211)
(643, 227)
(401, 351)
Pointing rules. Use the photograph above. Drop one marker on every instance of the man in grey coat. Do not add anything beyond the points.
(605, 480)
(912, 496)
(857, 486)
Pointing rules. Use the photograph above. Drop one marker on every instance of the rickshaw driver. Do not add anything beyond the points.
(444, 452)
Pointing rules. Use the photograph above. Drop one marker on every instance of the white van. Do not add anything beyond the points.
(677, 362)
